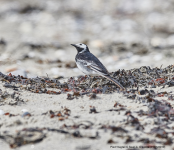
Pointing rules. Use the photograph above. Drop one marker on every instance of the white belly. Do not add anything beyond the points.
(86, 70)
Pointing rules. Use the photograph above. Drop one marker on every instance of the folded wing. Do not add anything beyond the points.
(89, 60)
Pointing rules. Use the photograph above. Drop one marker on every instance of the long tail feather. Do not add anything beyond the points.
(113, 80)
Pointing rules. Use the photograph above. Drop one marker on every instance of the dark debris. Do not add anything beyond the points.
(132, 80)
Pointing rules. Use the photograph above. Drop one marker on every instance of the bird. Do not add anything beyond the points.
(91, 65)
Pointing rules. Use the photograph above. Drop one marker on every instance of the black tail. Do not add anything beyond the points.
(116, 82)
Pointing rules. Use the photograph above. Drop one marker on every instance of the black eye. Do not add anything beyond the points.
(80, 44)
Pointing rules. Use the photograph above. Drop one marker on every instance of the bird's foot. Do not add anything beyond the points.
(82, 78)
(91, 79)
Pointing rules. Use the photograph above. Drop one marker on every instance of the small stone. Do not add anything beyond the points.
(1, 112)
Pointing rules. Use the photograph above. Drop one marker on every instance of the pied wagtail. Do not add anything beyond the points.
(90, 65)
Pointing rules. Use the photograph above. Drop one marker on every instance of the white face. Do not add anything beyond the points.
(80, 45)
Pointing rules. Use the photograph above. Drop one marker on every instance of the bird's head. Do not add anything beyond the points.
(81, 47)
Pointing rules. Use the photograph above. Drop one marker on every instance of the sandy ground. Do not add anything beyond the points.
(96, 136)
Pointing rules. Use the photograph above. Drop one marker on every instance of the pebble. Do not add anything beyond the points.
(55, 70)
(135, 58)
(61, 54)
(76, 70)
(1, 112)
(24, 110)
(26, 114)
(11, 69)
(157, 42)
(120, 65)
(170, 40)
(31, 54)
(96, 44)
(20, 72)
(158, 57)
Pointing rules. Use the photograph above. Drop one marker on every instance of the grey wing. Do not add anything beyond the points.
(89, 60)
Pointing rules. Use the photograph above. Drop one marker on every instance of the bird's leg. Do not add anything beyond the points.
(90, 80)
(89, 83)
(82, 78)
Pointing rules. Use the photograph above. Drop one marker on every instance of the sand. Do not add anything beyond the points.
(101, 129)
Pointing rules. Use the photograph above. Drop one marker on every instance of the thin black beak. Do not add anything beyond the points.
(74, 45)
